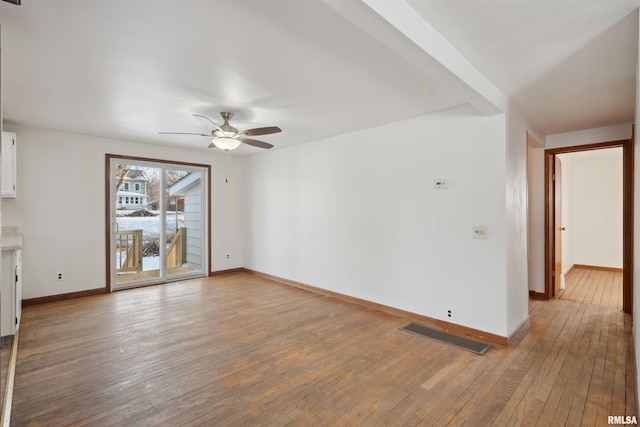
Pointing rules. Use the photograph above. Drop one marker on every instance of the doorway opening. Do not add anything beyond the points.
(157, 221)
(554, 227)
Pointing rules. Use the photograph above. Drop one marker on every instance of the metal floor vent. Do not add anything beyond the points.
(447, 338)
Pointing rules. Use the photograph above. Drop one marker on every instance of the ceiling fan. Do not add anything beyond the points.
(228, 138)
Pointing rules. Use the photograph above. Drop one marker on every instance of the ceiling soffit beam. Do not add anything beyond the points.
(410, 23)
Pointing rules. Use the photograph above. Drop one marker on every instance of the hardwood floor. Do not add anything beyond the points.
(5, 353)
(594, 287)
(241, 350)
(149, 274)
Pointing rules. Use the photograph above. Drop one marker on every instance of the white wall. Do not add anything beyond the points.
(357, 214)
(592, 208)
(60, 207)
(516, 176)
(535, 197)
(589, 136)
(569, 139)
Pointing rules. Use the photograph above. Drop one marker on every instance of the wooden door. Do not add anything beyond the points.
(557, 225)
(552, 230)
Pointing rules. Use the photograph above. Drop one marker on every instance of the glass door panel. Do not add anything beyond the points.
(137, 219)
(184, 213)
(158, 231)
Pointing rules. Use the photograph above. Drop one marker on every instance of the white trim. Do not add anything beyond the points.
(11, 375)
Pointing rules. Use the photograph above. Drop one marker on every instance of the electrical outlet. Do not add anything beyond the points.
(59, 276)
(450, 313)
(228, 256)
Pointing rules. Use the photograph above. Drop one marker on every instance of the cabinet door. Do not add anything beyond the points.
(7, 288)
(17, 268)
(11, 292)
(8, 189)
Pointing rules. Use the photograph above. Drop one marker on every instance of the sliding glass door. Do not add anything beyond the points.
(157, 221)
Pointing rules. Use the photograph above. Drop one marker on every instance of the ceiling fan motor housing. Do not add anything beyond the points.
(226, 127)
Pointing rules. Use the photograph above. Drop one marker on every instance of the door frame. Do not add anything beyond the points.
(557, 218)
(107, 204)
(627, 215)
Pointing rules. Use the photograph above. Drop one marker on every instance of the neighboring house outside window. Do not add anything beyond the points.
(133, 193)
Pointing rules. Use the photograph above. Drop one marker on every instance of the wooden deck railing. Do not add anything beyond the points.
(129, 247)
(177, 252)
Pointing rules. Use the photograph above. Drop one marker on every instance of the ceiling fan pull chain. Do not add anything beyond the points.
(226, 166)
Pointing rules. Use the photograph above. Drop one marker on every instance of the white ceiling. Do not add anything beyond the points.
(569, 64)
(316, 68)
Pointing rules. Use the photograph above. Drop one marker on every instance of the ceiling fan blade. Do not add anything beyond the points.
(261, 131)
(206, 121)
(256, 143)
(183, 133)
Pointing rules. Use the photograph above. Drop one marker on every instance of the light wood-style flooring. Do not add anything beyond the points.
(150, 274)
(240, 350)
(5, 355)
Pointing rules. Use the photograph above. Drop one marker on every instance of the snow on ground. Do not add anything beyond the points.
(151, 263)
(150, 226)
(148, 262)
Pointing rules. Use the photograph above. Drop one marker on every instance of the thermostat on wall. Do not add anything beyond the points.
(440, 184)
(480, 232)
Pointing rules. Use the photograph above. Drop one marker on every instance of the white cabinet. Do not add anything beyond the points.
(9, 171)
(11, 292)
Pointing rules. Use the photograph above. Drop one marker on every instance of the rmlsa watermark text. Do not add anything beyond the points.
(622, 419)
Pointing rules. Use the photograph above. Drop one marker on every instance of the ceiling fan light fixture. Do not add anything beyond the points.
(225, 143)
(228, 138)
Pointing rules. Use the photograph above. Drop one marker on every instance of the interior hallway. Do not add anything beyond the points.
(238, 349)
